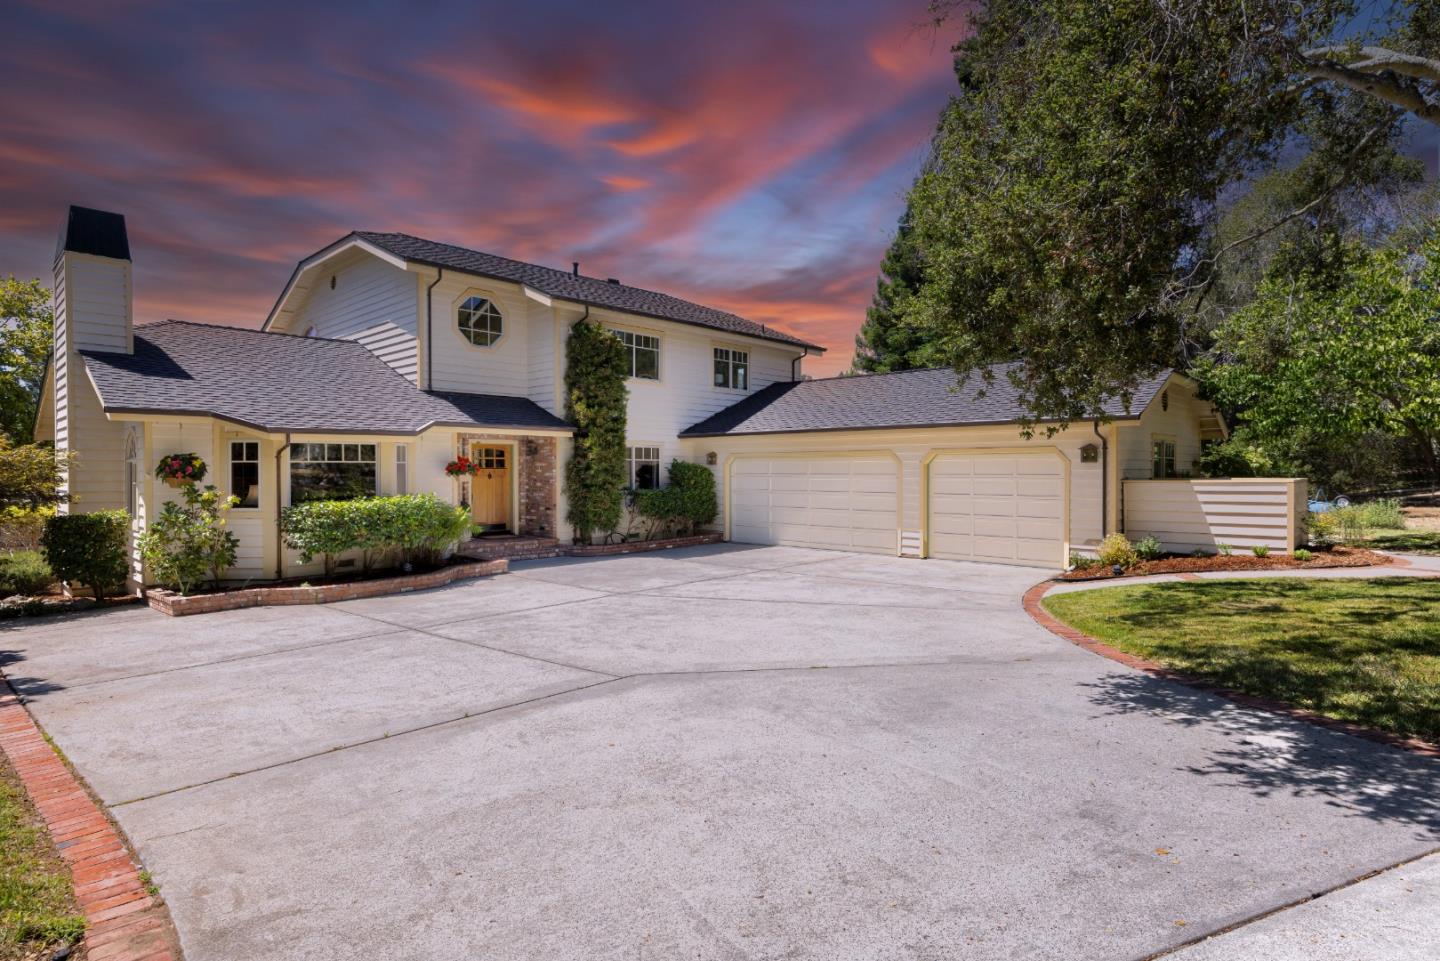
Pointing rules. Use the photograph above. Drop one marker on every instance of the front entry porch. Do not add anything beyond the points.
(513, 494)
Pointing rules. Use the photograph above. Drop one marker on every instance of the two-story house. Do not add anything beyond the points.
(386, 356)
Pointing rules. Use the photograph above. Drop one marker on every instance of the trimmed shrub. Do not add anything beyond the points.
(1117, 549)
(88, 549)
(1301, 554)
(687, 504)
(421, 527)
(26, 573)
(1148, 548)
(188, 543)
(1260, 550)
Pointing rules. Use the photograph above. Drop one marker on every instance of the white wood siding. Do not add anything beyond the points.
(1188, 515)
(369, 295)
(392, 344)
(1180, 423)
(501, 368)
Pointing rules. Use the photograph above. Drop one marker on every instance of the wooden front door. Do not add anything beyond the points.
(490, 487)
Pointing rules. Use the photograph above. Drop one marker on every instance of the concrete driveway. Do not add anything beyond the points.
(715, 753)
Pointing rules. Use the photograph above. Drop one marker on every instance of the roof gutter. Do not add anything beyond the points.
(1104, 481)
(795, 360)
(430, 329)
(279, 514)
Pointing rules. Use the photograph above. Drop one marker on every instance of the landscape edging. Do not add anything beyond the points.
(124, 920)
(1031, 603)
(638, 547)
(179, 605)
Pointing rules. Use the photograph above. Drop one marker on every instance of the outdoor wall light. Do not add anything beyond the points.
(1089, 454)
(711, 458)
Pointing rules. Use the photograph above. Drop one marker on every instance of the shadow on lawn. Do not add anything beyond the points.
(1269, 755)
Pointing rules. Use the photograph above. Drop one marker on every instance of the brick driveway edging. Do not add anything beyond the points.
(123, 920)
(1037, 612)
(179, 605)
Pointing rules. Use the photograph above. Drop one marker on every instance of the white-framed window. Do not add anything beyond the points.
(643, 464)
(133, 473)
(331, 472)
(480, 321)
(245, 472)
(732, 368)
(644, 351)
(1162, 457)
(402, 469)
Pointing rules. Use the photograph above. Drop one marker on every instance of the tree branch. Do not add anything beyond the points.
(1377, 59)
(1385, 85)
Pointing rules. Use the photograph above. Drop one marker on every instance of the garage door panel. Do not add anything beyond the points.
(846, 503)
(1003, 508)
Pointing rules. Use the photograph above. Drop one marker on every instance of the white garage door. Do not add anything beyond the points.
(843, 503)
(1006, 508)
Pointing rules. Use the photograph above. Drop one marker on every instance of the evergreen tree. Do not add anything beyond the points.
(595, 400)
(885, 342)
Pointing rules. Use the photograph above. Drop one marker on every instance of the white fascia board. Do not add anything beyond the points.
(536, 295)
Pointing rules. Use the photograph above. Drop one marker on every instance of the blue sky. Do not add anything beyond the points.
(750, 155)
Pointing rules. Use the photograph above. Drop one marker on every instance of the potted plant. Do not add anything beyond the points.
(462, 466)
(177, 470)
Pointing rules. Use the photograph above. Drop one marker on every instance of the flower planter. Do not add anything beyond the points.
(179, 605)
(176, 482)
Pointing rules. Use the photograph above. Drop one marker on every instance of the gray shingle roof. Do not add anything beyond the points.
(277, 382)
(579, 289)
(912, 398)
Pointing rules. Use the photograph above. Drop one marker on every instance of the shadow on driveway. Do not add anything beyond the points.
(1272, 755)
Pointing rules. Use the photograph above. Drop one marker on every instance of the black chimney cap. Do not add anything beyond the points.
(96, 232)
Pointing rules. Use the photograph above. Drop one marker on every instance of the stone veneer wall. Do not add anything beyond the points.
(535, 462)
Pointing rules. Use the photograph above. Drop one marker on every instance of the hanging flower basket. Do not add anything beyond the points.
(177, 470)
(462, 467)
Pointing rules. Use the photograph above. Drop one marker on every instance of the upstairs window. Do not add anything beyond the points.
(644, 467)
(1163, 456)
(245, 472)
(644, 352)
(331, 472)
(732, 368)
(480, 321)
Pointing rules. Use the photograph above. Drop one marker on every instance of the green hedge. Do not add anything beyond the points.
(688, 503)
(89, 549)
(25, 573)
(416, 527)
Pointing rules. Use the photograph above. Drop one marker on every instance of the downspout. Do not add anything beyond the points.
(795, 360)
(279, 530)
(430, 330)
(1104, 481)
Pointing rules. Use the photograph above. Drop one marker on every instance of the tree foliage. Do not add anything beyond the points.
(595, 403)
(1066, 217)
(26, 337)
(1312, 356)
(885, 342)
(30, 475)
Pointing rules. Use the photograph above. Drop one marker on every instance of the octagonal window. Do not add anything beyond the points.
(480, 321)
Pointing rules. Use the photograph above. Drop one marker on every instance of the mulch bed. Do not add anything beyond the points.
(1183, 564)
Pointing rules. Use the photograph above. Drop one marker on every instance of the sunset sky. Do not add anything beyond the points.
(750, 155)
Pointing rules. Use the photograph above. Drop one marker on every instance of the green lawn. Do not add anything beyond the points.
(1407, 541)
(36, 910)
(1360, 650)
